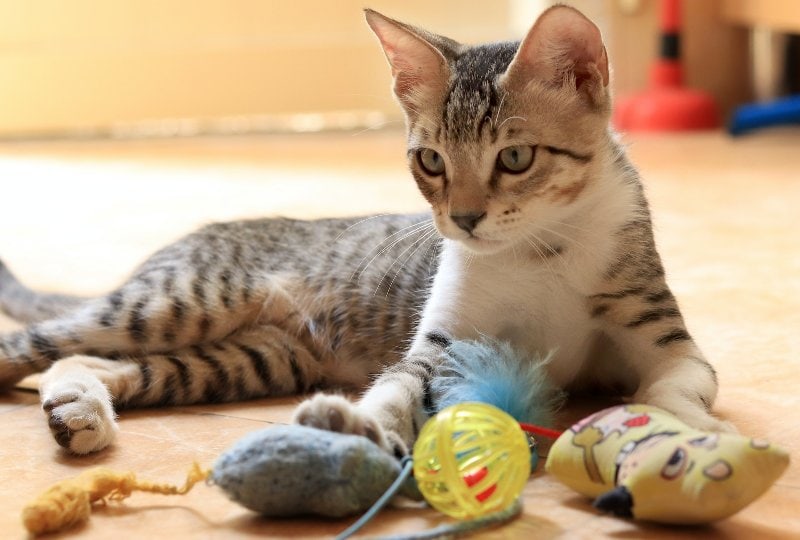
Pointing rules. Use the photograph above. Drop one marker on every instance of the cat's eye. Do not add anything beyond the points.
(431, 161)
(515, 159)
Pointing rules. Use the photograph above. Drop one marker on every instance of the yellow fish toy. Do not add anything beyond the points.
(640, 461)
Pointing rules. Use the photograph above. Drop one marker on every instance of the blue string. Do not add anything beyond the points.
(406, 465)
(463, 527)
(405, 472)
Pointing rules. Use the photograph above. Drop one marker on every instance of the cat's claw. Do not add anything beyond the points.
(335, 413)
(80, 418)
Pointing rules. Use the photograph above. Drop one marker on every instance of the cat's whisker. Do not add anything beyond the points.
(542, 256)
(512, 118)
(470, 259)
(499, 108)
(406, 232)
(565, 224)
(556, 254)
(356, 224)
(568, 239)
(414, 110)
(423, 118)
(532, 240)
(545, 245)
(376, 127)
(418, 242)
(431, 256)
(428, 125)
(418, 231)
(359, 270)
(422, 242)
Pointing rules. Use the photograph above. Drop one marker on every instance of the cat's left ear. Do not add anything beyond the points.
(419, 66)
(563, 48)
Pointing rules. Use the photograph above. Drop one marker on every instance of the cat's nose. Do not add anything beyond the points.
(468, 222)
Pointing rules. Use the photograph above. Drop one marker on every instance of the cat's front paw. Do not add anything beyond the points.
(335, 413)
(80, 416)
(700, 419)
(692, 413)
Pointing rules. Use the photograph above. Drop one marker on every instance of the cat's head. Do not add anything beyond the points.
(501, 137)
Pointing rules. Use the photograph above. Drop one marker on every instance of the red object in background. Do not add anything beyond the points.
(667, 105)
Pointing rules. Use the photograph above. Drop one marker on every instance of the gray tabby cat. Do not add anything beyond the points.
(547, 243)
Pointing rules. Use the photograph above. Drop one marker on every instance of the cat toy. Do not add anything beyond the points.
(639, 461)
(471, 460)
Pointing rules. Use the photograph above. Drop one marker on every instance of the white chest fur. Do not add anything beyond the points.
(529, 303)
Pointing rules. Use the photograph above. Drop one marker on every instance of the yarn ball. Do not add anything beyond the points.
(298, 470)
(470, 460)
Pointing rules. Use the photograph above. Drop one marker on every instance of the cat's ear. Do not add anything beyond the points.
(563, 48)
(417, 58)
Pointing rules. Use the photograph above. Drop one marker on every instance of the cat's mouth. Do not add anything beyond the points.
(481, 245)
(473, 242)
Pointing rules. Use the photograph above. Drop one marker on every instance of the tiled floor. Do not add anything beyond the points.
(78, 216)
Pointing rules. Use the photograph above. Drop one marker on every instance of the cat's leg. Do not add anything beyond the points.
(393, 409)
(158, 310)
(671, 371)
(79, 394)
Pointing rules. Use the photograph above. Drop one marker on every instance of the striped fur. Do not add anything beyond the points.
(234, 311)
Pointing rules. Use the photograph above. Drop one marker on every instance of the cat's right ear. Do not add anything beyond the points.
(420, 70)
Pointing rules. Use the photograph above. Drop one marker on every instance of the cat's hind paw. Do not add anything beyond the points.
(336, 413)
(80, 416)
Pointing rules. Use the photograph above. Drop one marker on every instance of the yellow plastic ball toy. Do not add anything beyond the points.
(470, 460)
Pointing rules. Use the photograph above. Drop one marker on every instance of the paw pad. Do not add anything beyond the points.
(335, 413)
(81, 421)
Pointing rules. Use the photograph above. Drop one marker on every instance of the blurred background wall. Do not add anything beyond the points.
(89, 65)
(179, 67)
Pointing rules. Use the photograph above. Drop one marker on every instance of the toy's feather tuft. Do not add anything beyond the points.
(492, 372)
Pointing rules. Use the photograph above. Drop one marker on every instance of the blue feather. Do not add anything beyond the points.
(492, 372)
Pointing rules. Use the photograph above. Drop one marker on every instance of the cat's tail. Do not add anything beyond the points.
(27, 306)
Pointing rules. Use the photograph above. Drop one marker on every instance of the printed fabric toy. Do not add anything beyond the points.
(639, 461)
